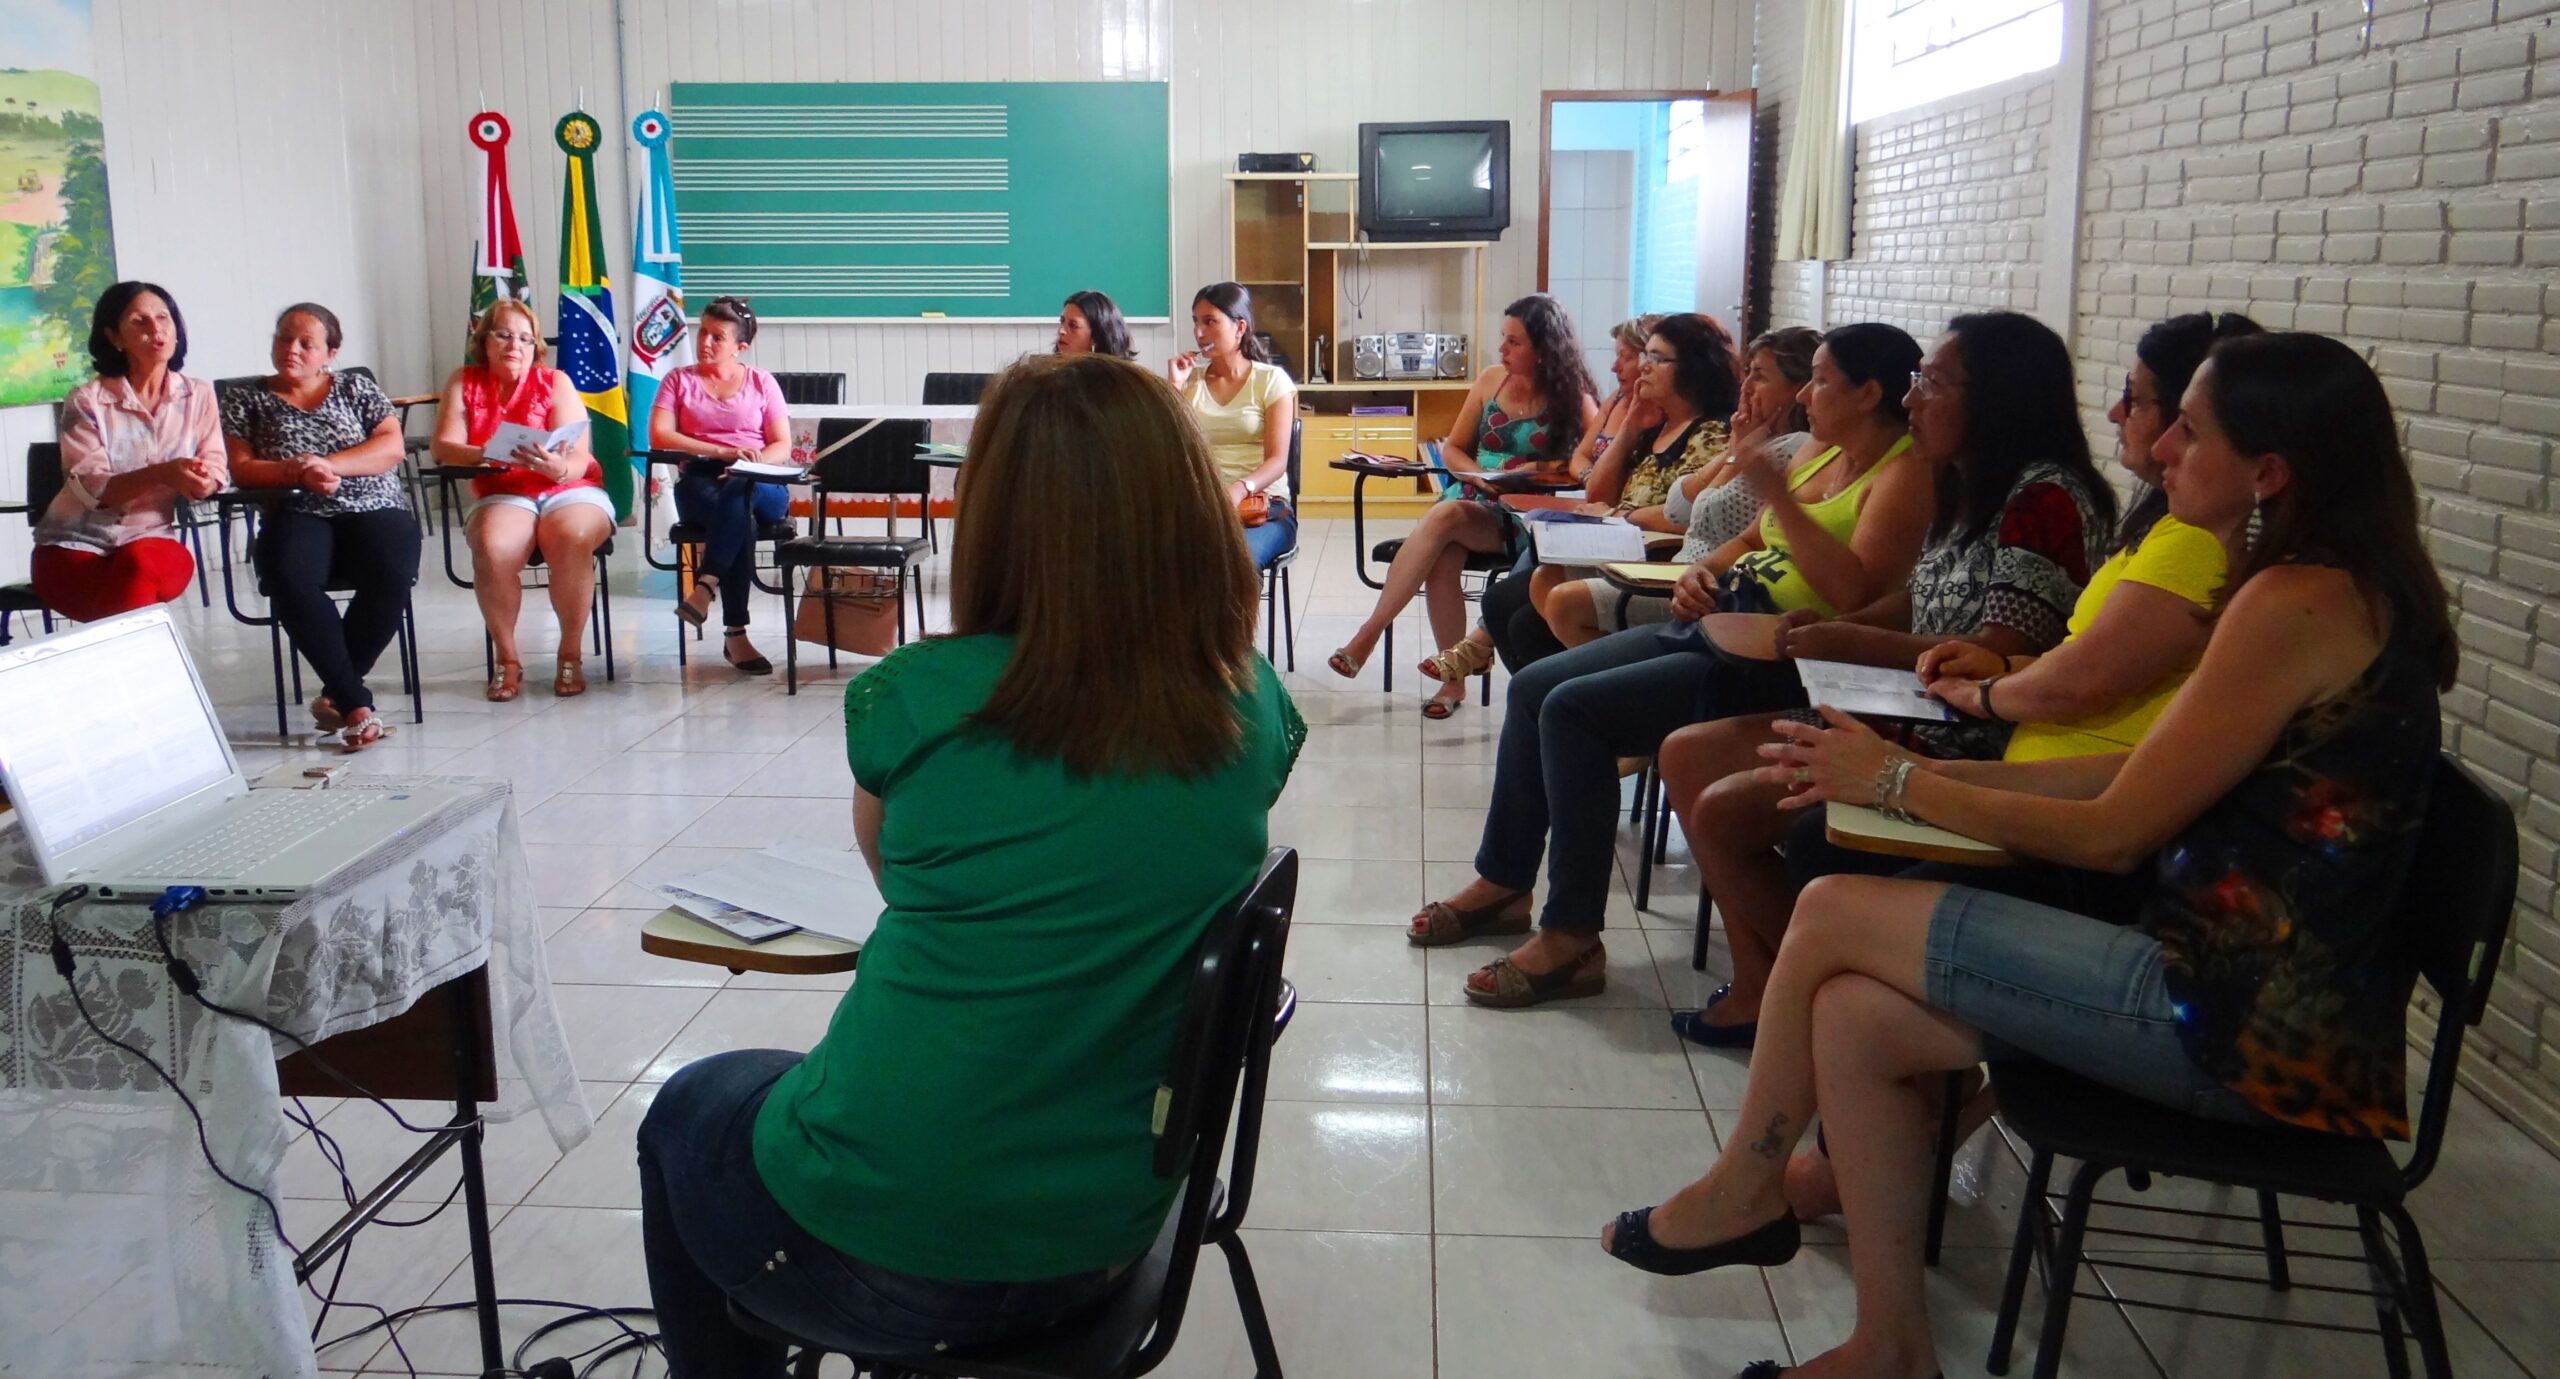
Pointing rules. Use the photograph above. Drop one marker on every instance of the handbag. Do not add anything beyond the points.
(852, 610)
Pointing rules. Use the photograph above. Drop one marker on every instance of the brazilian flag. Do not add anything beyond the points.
(590, 347)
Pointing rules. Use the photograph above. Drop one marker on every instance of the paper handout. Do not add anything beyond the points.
(799, 885)
(1872, 690)
(500, 448)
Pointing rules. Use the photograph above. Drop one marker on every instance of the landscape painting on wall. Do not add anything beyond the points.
(56, 251)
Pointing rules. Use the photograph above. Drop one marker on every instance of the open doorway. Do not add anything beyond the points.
(1644, 205)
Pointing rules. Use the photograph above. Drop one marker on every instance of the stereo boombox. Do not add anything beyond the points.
(1409, 355)
(1275, 162)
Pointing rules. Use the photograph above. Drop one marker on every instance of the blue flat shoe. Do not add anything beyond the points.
(1692, 1025)
(1768, 1247)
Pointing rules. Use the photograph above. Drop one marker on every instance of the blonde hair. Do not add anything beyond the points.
(1094, 530)
(1633, 333)
(480, 331)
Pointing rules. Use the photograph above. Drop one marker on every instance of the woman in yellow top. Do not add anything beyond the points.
(1856, 513)
(1245, 405)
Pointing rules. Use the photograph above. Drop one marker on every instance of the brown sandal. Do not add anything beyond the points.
(325, 715)
(567, 681)
(506, 683)
(1445, 924)
(1514, 989)
(362, 733)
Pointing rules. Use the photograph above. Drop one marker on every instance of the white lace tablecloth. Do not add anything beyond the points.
(120, 1251)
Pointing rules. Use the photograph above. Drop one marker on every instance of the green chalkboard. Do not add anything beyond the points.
(881, 200)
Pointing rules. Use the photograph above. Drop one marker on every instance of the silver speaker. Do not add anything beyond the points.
(1453, 356)
(1369, 356)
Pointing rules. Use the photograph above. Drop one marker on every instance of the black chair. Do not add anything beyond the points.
(955, 389)
(599, 605)
(280, 649)
(1279, 614)
(811, 389)
(857, 457)
(44, 480)
(683, 534)
(1234, 1013)
(2452, 919)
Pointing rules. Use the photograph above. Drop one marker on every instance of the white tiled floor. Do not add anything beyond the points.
(1433, 1175)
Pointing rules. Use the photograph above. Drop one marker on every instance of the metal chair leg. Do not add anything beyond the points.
(2387, 1293)
(1698, 944)
(1257, 1322)
(1289, 619)
(1950, 1108)
(275, 649)
(2026, 1247)
(2271, 1225)
(2066, 1269)
(790, 643)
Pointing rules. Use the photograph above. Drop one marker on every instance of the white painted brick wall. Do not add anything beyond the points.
(1947, 209)
(2396, 185)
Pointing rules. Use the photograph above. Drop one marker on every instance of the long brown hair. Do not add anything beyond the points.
(2350, 503)
(1094, 530)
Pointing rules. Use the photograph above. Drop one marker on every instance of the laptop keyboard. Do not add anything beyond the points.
(256, 834)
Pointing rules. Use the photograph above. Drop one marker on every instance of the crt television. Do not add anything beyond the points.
(1445, 179)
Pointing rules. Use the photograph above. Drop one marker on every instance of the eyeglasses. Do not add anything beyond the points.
(517, 336)
(2130, 401)
(1927, 386)
(1655, 360)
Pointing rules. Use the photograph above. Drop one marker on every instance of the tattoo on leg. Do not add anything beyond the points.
(1769, 1145)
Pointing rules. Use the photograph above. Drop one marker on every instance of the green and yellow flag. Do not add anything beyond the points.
(590, 348)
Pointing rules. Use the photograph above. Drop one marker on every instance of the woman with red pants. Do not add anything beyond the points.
(135, 439)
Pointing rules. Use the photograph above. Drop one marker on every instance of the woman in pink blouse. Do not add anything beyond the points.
(722, 410)
(550, 499)
(135, 440)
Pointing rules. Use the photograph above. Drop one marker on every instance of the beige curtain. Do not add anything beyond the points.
(1813, 207)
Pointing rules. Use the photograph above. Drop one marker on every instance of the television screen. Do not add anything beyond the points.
(1436, 175)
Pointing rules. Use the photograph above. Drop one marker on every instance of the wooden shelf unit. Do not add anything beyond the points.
(1286, 233)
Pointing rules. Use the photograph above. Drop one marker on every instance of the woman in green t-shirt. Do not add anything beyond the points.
(967, 1155)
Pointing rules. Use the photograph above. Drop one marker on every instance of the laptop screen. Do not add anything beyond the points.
(101, 726)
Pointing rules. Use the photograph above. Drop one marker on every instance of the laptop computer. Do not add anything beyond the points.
(112, 754)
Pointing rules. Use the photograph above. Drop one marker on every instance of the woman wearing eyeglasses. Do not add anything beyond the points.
(547, 500)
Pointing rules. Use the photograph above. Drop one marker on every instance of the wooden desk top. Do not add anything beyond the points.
(1642, 577)
(1862, 829)
(674, 934)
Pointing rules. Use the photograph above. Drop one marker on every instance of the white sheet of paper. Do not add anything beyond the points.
(739, 924)
(818, 889)
(500, 448)
(758, 469)
(1869, 690)
(1586, 543)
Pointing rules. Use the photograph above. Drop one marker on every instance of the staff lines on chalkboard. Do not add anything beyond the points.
(848, 227)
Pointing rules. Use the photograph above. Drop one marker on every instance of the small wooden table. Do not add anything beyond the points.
(672, 933)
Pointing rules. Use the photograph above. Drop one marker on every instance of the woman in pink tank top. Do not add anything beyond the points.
(547, 500)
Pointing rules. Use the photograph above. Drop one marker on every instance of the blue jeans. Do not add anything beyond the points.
(711, 1232)
(1275, 538)
(2082, 993)
(730, 509)
(1569, 718)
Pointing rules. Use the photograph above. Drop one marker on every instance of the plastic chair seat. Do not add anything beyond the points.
(20, 598)
(1099, 1342)
(2071, 1115)
(693, 534)
(1385, 553)
(888, 551)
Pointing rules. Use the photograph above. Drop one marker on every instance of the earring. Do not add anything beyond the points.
(2257, 521)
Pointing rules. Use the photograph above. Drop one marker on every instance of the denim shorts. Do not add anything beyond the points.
(2076, 992)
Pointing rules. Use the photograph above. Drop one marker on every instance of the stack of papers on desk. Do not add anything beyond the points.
(1570, 538)
(786, 887)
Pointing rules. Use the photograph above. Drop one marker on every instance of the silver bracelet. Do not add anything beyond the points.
(1891, 783)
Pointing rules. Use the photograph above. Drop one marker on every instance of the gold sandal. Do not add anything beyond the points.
(1468, 657)
(506, 682)
(1445, 924)
(567, 681)
(1513, 989)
